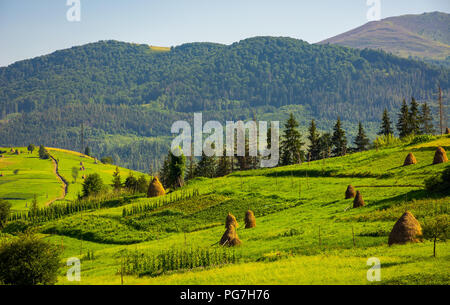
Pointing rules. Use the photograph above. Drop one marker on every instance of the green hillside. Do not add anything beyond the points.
(38, 177)
(306, 232)
(131, 92)
(424, 36)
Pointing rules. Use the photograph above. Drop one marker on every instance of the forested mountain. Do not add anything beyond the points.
(127, 95)
(425, 36)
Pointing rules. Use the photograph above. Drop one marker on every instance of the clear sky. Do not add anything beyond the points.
(30, 28)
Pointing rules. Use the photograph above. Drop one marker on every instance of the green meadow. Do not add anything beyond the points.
(306, 232)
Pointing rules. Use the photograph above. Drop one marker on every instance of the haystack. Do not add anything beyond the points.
(350, 192)
(440, 156)
(406, 229)
(410, 160)
(359, 201)
(250, 220)
(447, 130)
(231, 221)
(155, 189)
(230, 238)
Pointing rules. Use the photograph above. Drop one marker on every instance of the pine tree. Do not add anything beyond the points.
(177, 166)
(325, 144)
(224, 165)
(206, 167)
(190, 169)
(386, 125)
(314, 138)
(165, 172)
(87, 151)
(426, 120)
(131, 182)
(291, 145)
(339, 140)
(413, 119)
(403, 121)
(116, 183)
(361, 140)
(43, 153)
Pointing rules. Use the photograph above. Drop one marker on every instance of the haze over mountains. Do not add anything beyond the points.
(127, 95)
(425, 36)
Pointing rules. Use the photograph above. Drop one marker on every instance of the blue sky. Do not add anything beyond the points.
(30, 28)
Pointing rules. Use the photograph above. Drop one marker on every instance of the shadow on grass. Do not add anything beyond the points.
(315, 173)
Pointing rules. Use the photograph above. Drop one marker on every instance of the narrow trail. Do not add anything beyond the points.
(61, 179)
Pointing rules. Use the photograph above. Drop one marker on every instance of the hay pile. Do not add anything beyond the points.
(350, 192)
(230, 238)
(410, 160)
(250, 220)
(406, 229)
(231, 221)
(440, 156)
(155, 189)
(359, 201)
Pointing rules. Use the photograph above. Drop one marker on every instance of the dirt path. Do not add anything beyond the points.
(61, 179)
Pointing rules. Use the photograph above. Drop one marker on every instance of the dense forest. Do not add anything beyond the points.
(128, 95)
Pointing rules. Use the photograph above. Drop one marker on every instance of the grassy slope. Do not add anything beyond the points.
(290, 204)
(37, 176)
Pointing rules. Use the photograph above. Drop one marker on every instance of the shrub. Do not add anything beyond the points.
(439, 184)
(28, 260)
(5, 210)
(422, 139)
(92, 185)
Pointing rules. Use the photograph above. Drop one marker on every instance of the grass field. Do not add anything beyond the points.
(306, 232)
(36, 176)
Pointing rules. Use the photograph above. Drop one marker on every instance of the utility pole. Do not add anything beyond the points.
(441, 112)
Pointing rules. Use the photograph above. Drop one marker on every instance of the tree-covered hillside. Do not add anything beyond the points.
(117, 88)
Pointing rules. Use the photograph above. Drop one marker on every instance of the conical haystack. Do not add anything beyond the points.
(231, 220)
(250, 220)
(406, 229)
(230, 238)
(350, 192)
(440, 156)
(155, 189)
(359, 201)
(447, 130)
(410, 160)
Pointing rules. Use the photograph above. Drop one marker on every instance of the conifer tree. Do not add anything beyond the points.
(190, 169)
(291, 145)
(325, 144)
(361, 140)
(386, 125)
(426, 120)
(116, 183)
(403, 121)
(413, 119)
(339, 140)
(224, 165)
(206, 167)
(314, 139)
(177, 167)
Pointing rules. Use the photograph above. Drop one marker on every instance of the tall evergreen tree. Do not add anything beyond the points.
(291, 145)
(426, 120)
(403, 120)
(87, 151)
(206, 167)
(116, 183)
(386, 125)
(177, 166)
(325, 144)
(131, 182)
(164, 173)
(413, 119)
(361, 140)
(339, 140)
(314, 139)
(224, 165)
(190, 169)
